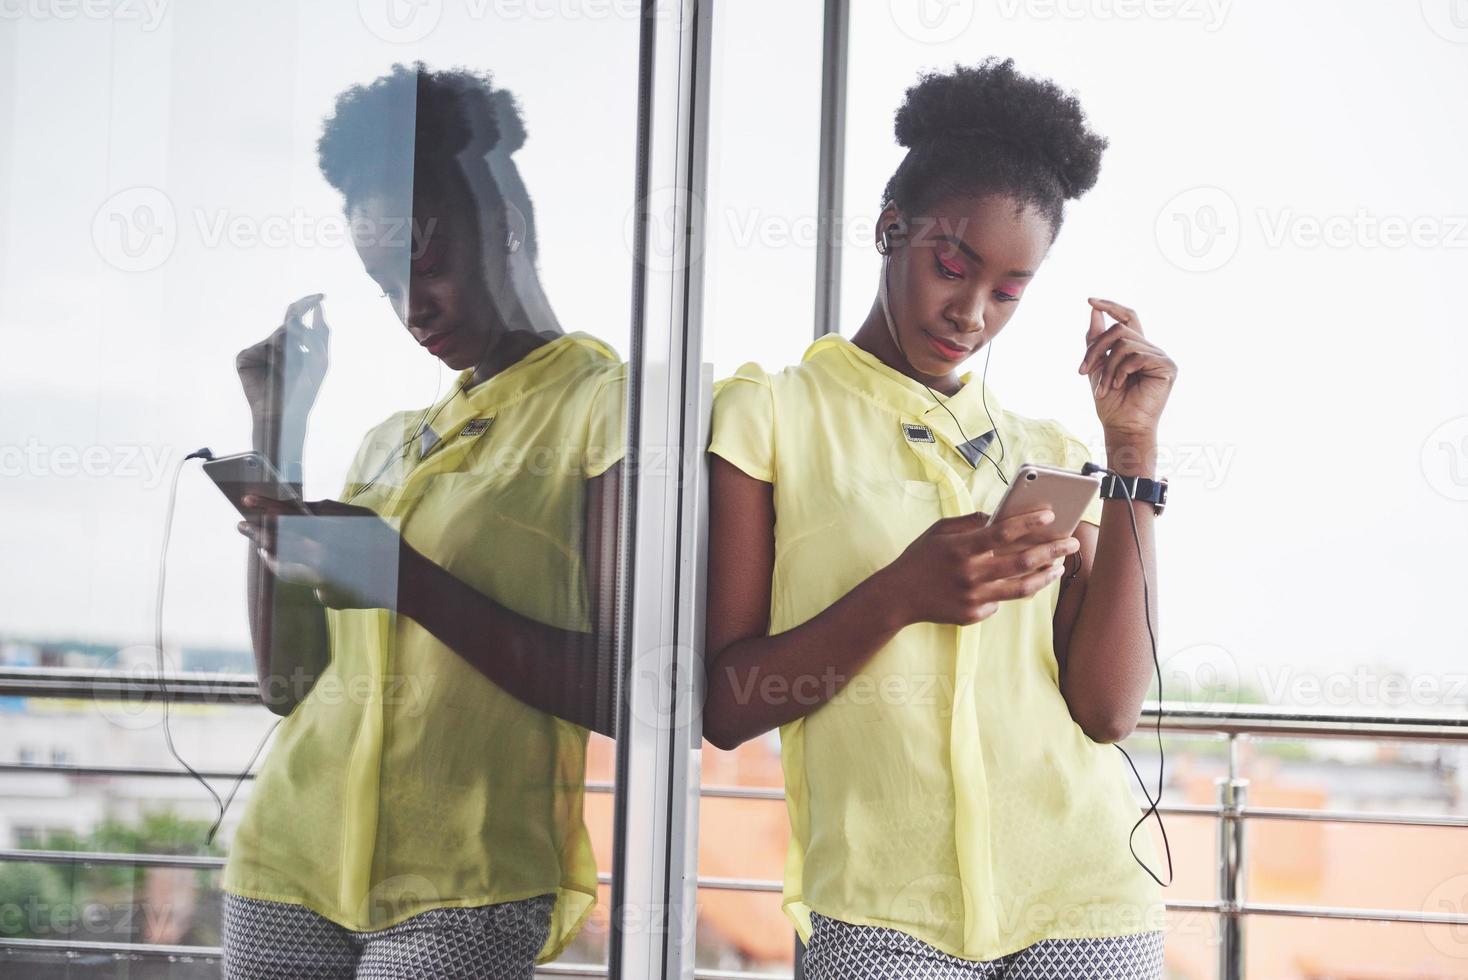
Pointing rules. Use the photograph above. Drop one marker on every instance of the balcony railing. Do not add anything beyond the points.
(1232, 724)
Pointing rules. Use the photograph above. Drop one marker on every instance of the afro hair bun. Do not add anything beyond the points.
(991, 101)
(376, 130)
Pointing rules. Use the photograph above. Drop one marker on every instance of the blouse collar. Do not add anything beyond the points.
(541, 366)
(548, 364)
(868, 375)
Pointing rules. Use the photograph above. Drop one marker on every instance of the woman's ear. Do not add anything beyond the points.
(891, 229)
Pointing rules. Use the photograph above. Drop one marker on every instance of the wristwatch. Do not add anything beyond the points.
(1114, 487)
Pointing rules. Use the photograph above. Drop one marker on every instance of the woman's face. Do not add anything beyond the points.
(957, 276)
(431, 269)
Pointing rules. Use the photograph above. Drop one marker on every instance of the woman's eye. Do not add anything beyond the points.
(947, 271)
(1007, 298)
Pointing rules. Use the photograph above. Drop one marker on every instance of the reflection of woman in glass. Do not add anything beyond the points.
(437, 639)
(944, 698)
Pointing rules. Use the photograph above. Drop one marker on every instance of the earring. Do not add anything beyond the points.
(512, 244)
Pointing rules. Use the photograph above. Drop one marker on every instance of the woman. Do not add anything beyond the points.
(438, 640)
(944, 700)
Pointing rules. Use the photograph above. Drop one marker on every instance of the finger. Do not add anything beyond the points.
(298, 309)
(334, 508)
(983, 612)
(1131, 364)
(1138, 357)
(263, 540)
(268, 559)
(962, 524)
(319, 328)
(269, 506)
(1011, 529)
(1047, 534)
(318, 320)
(1119, 350)
(296, 573)
(1097, 349)
(1097, 327)
(1021, 586)
(1125, 314)
(1032, 558)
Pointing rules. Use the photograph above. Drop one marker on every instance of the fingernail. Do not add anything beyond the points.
(249, 500)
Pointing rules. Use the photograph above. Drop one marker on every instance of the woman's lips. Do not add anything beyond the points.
(437, 343)
(946, 350)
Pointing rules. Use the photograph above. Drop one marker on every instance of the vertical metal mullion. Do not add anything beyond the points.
(831, 181)
(651, 809)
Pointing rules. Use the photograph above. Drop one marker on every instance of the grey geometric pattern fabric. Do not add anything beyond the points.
(843, 951)
(279, 941)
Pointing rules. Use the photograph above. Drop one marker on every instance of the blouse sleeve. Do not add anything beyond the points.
(606, 440)
(742, 427)
(1075, 454)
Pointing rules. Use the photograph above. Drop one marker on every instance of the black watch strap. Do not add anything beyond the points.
(1153, 492)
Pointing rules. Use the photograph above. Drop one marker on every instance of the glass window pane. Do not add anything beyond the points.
(386, 247)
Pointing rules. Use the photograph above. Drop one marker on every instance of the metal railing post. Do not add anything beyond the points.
(1233, 794)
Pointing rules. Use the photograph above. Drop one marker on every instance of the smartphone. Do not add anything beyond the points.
(1037, 487)
(246, 473)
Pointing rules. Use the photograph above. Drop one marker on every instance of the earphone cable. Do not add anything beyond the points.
(1152, 804)
(896, 335)
(222, 806)
(426, 420)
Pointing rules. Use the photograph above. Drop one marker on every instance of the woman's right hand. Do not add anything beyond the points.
(959, 570)
(282, 374)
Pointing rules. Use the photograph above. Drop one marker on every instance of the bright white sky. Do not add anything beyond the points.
(1317, 441)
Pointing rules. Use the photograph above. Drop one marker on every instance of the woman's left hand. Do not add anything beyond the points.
(1131, 377)
(349, 555)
